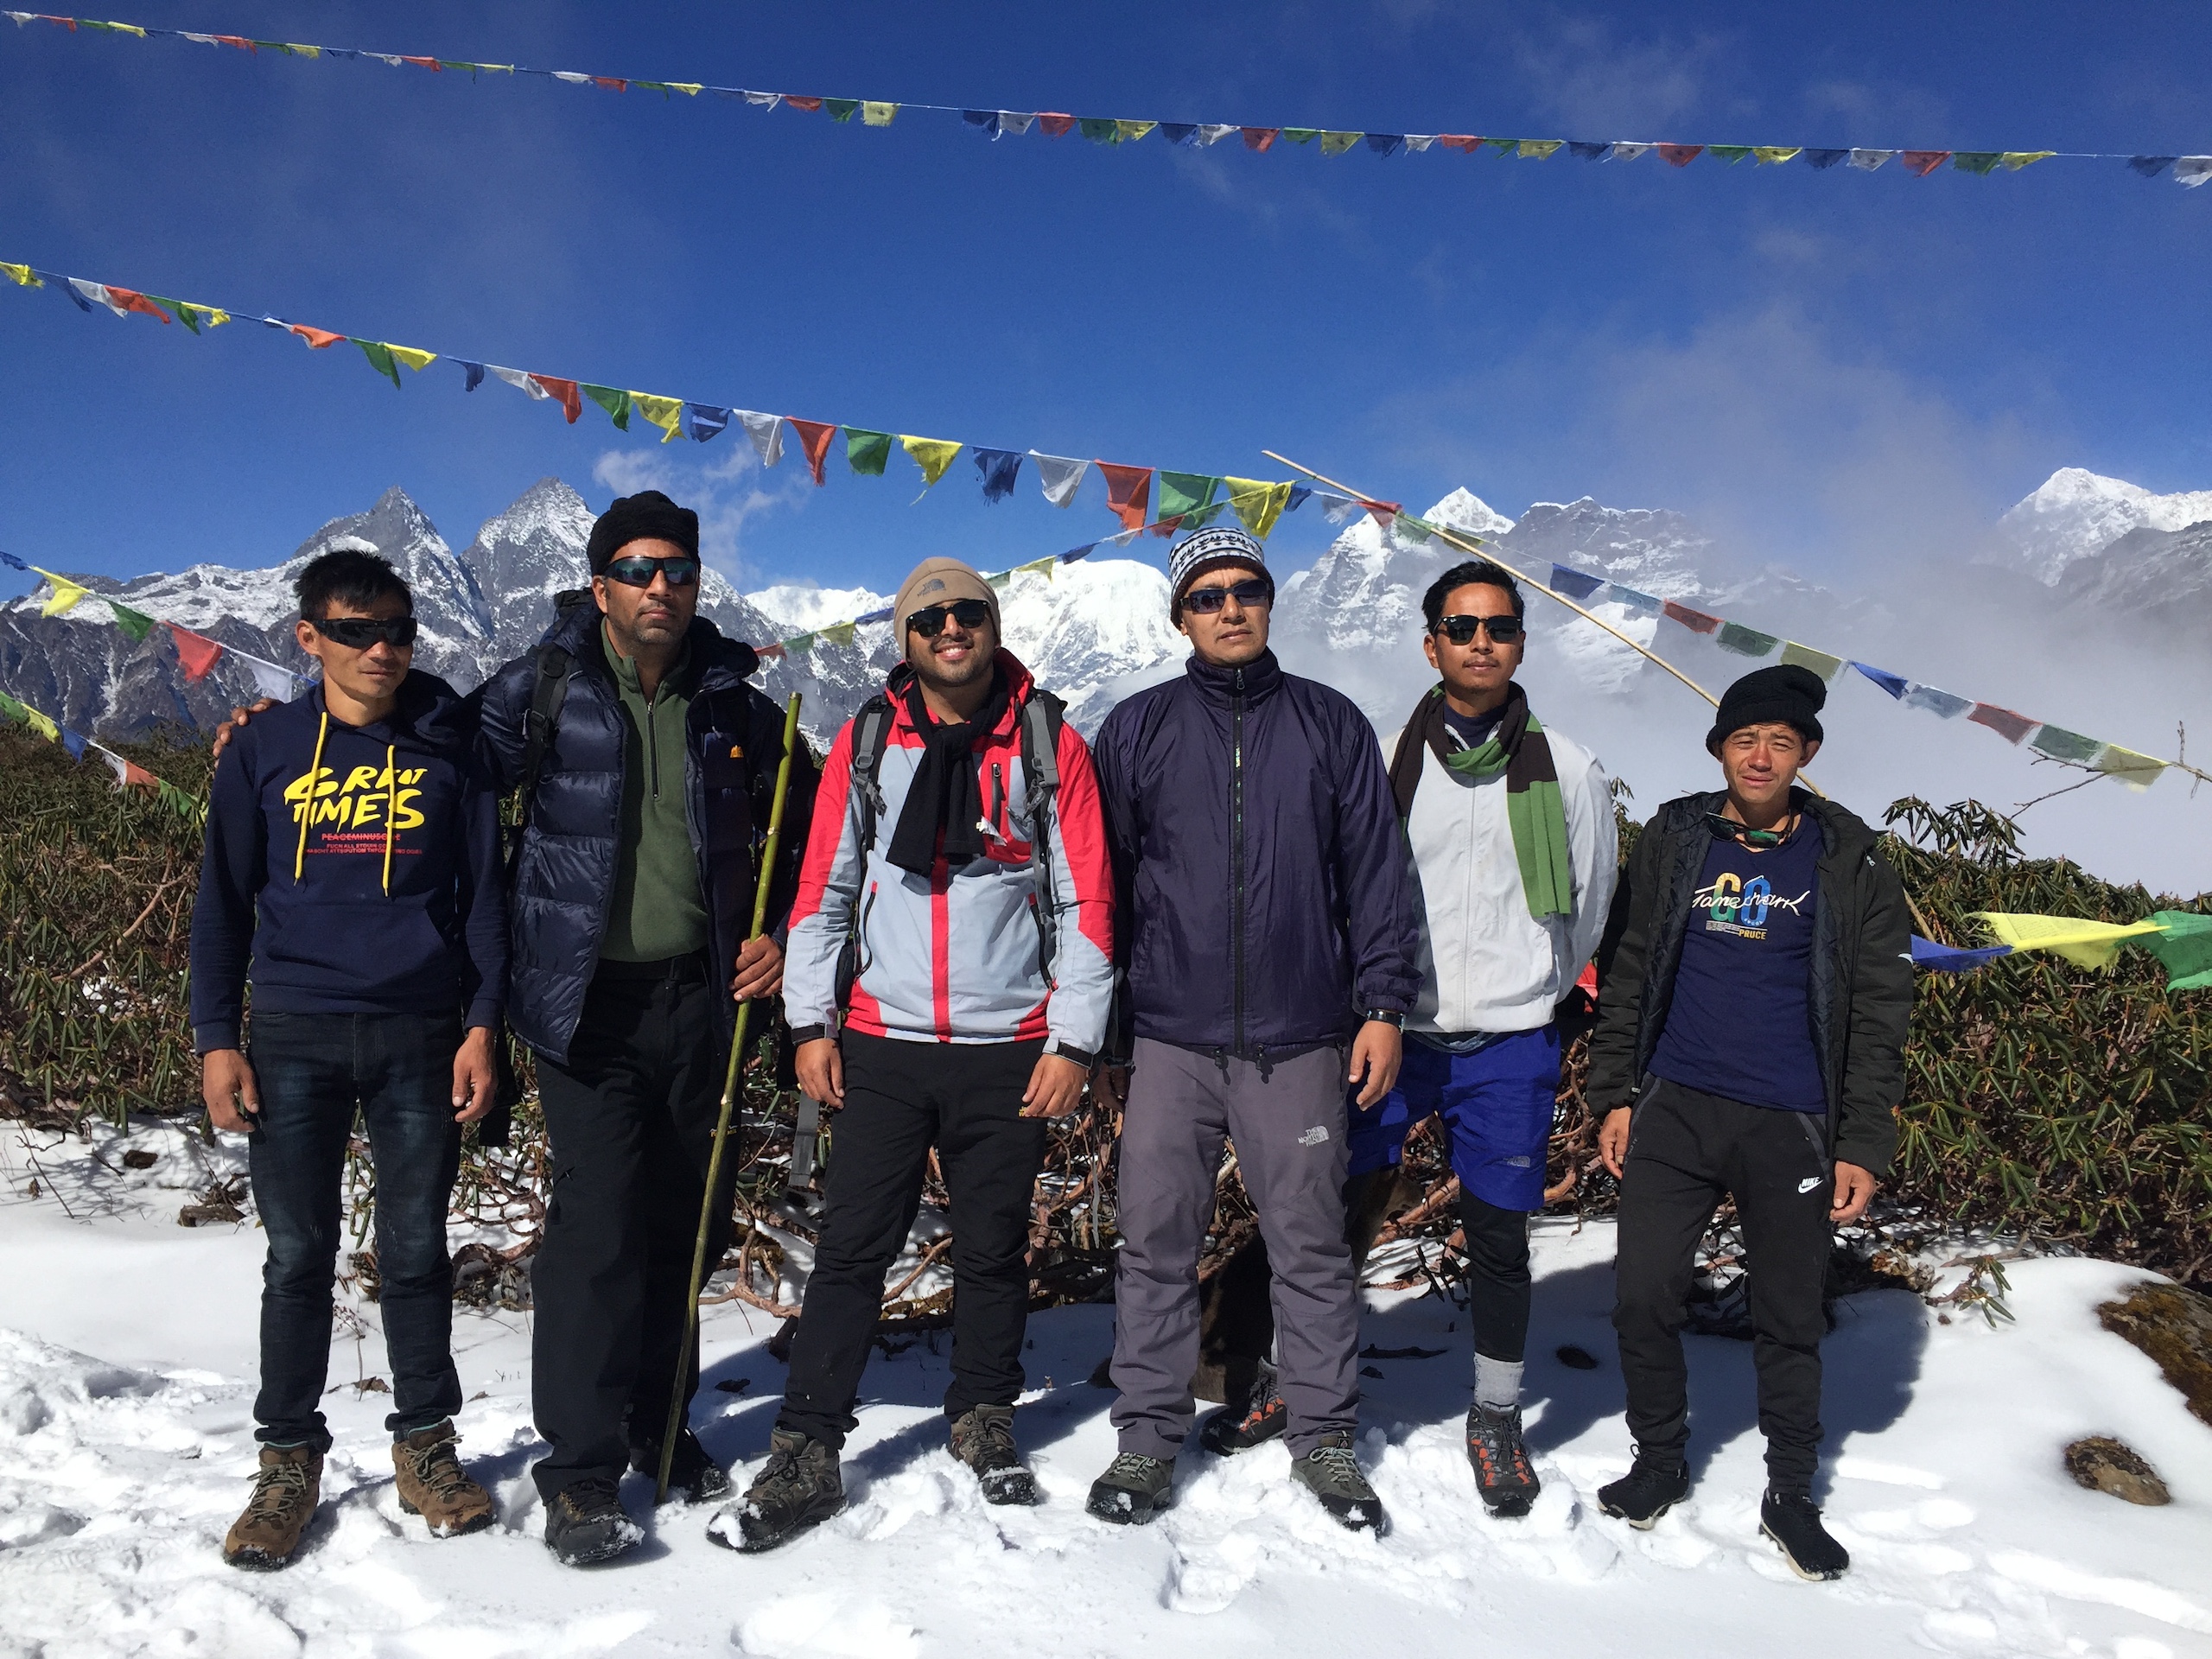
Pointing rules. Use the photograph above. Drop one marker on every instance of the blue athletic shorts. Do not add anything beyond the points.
(1496, 1106)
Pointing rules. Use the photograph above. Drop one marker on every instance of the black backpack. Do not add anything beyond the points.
(1042, 716)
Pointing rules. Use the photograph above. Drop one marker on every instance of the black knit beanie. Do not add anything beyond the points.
(1785, 692)
(646, 515)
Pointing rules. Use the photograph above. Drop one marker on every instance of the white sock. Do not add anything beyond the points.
(1497, 1382)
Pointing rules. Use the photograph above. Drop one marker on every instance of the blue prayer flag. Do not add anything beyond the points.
(1386, 144)
(1075, 553)
(72, 743)
(62, 286)
(1949, 959)
(1588, 152)
(1894, 684)
(706, 420)
(2150, 165)
(1179, 132)
(12, 561)
(998, 468)
(883, 615)
(1823, 159)
(984, 121)
(1298, 494)
(473, 371)
(1575, 584)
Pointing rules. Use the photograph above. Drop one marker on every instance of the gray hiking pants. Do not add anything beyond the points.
(1287, 1121)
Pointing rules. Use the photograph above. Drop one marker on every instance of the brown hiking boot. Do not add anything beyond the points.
(285, 1491)
(433, 1484)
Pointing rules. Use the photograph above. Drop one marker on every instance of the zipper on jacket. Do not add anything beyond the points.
(652, 747)
(1237, 850)
(998, 794)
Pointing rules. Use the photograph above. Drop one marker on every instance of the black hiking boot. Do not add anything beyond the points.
(585, 1525)
(984, 1440)
(693, 1477)
(1133, 1490)
(1503, 1477)
(1332, 1474)
(799, 1488)
(1261, 1418)
(1652, 1486)
(1793, 1521)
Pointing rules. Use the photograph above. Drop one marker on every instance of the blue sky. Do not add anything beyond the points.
(1847, 371)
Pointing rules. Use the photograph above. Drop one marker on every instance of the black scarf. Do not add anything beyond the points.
(944, 801)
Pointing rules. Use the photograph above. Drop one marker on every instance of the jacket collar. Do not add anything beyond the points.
(1019, 684)
(1842, 831)
(429, 715)
(1257, 679)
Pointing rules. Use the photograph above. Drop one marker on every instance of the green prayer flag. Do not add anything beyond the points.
(867, 451)
(1977, 160)
(2014, 160)
(1335, 143)
(1504, 146)
(1412, 527)
(1099, 130)
(2059, 744)
(13, 709)
(1731, 153)
(137, 624)
(1131, 131)
(612, 399)
(1301, 134)
(660, 86)
(1183, 493)
(840, 109)
(839, 633)
(1745, 642)
(379, 356)
(183, 313)
(999, 579)
(2184, 948)
(798, 643)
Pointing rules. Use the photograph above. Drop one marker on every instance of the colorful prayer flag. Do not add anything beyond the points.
(2014, 160)
(767, 432)
(1894, 684)
(706, 420)
(2003, 721)
(1261, 138)
(1981, 161)
(1679, 155)
(1745, 642)
(1731, 153)
(933, 455)
(1537, 149)
(813, 441)
(1769, 154)
(197, 652)
(2136, 771)
(379, 356)
(1185, 492)
(2058, 744)
(1257, 502)
(269, 679)
(1129, 493)
(1866, 161)
(317, 339)
(840, 109)
(997, 468)
(1820, 662)
(1575, 584)
(1335, 143)
(867, 452)
(1921, 162)
(567, 393)
(612, 399)
(134, 624)
(877, 115)
(666, 413)
(1695, 621)
(1060, 475)
(65, 596)
(2184, 947)
(2084, 944)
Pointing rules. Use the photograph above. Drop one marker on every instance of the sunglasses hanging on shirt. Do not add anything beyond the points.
(1725, 828)
(360, 632)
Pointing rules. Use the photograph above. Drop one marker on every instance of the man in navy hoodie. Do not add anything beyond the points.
(351, 876)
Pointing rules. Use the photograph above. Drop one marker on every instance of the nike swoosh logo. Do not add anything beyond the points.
(1808, 1183)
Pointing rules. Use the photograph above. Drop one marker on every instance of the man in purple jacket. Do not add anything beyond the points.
(1269, 941)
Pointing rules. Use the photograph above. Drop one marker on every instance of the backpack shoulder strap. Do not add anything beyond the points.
(871, 737)
(549, 690)
(1042, 716)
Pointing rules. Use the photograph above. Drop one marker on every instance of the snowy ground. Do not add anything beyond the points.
(127, 1347)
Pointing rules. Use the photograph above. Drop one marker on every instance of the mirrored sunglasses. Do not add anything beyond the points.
(637, 571)
(360, 632)
(1250, 593)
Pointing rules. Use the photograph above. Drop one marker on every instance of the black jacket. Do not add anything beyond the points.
(565, 873)
(1860, 996)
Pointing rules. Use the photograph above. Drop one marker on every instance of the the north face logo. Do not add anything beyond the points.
(934, 585)
(1314, 1136)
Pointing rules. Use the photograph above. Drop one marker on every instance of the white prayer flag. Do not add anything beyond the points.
(1061, 476)
(767, 432)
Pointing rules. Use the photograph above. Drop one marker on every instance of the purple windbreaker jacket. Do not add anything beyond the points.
(1261, 903)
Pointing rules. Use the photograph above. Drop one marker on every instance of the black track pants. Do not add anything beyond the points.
(902, 1099)
(1498, 1277)
(1687, 1152)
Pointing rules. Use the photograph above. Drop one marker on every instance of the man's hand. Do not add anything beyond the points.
(821, 1068)
(1111, 1084)
(1376, 1054)
(1055, 1087)
(475, 1077)
(229, 1092)
(760, 969)
(1612, 1139)
(1855, 1191)
(238, 717)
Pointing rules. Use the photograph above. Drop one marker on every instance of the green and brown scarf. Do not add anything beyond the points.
(1518, 749)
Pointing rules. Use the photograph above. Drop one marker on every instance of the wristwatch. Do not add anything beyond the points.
(1387, 1016)
(1070, 1051)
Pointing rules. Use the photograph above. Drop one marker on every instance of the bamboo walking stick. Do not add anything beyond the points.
(676, 1400)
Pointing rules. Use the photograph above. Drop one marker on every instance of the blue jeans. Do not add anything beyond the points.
(315, 1071)
(1496, 1105)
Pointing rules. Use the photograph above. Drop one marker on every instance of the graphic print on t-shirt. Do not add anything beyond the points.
(352, 814)
(1735, 905)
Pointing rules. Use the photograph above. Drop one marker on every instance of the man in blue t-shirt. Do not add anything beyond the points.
(1753, 998)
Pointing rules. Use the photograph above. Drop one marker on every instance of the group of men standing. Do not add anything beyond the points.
(1233, 919)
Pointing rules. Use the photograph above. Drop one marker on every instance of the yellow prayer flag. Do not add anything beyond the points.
(1820, 662)
(2014, 160)
(1538, 149)
(839, 634)
(1768, 155)
(1043, 566)
(414, 357)
(1131, 131)
(44, 726)
(1337, 143)
(666, 413)
(877, 115)
(933, 455)
(2084, 944)
(1257, 502)
(19, 275)
(688, 88)
(295, 47)
(66, 594)
(2139, 771)
(128, 28)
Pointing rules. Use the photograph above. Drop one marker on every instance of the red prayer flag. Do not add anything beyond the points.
(809, 104)
(2003, 721)
(1261, 138)
(814, 440)
(69, 24)
(1384, 512)
(136, 775)
(1465, 142)
(1129, 493)
(769, 653)
(1921, 162)
(613, 83)
(1168, 526)
(1056, 125)
(1695, 621)
(431, 64)
(131, 299)
(198, 653)
(563, 392)
(240, 42)
(317, 337)
(1679, 155)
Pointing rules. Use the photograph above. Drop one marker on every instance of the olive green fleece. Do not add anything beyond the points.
(656, 909)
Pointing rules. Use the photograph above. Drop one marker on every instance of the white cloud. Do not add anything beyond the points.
(726, 492)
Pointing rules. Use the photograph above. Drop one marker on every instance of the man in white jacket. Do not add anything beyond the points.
(1510, 830)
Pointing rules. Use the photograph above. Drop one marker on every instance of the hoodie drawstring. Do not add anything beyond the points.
(390, 806)
(306, 807)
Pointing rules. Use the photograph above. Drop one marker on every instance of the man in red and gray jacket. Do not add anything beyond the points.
(946, 978)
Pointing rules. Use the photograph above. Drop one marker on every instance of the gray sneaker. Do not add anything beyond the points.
(800, 1487)
(1133, 1489)
(984, 1440)
(1332, 1474)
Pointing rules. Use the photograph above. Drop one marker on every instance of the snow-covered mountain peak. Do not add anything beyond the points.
(802, 606)
(2075, 513)
(1464, 510)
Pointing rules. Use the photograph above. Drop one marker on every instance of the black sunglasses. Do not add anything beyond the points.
(360, 632)
(929, 621)
(1460, 630)
(1724, 828)
(637, 570)
(1249, 593)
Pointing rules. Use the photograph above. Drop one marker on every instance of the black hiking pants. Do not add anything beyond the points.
(901, 1099)
(1687, 1152)
(631, 1117)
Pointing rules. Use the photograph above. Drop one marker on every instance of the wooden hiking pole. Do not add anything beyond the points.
(676, 1400)
(1453, 538)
